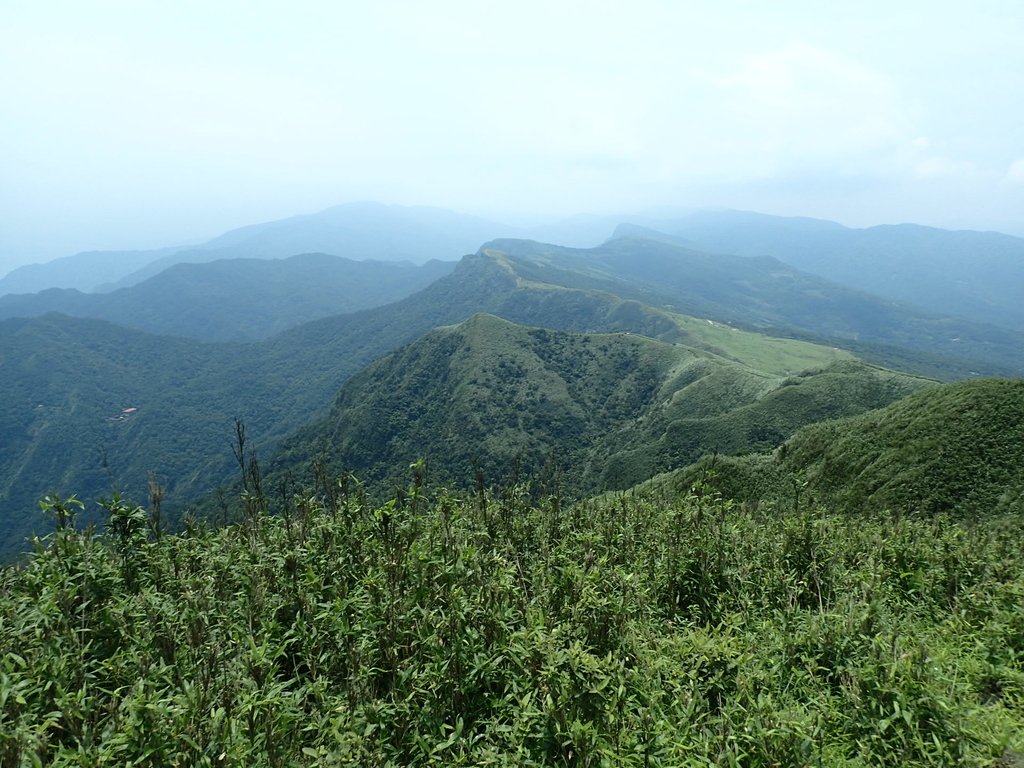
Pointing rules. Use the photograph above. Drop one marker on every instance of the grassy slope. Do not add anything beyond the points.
(191, 392)
(607, 410)
(957, 447)
(765, 295)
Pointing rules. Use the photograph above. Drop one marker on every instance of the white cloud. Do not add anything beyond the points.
(793, 111)
(1015, 174)
(943, 168)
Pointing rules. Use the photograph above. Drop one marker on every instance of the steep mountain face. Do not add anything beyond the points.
(765, 295)
(976, 275)
(952, 448)
(606, 411)
(238, 299)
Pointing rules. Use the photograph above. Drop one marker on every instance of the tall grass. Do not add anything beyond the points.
(506, 629)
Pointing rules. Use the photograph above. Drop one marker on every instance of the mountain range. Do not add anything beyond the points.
(357, 231)
(645, 502)
(603, 365)
(975, 275)
(238, 299)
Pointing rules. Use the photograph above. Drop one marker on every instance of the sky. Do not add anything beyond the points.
(139, 124)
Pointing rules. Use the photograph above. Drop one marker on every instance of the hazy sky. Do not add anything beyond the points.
(138, 124)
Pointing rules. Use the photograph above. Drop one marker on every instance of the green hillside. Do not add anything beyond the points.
(193, 392)
(837, 583)
(238, 299)
(66, 386)
(954, 448)
(605, 411)
(765, 295)
(188, 394)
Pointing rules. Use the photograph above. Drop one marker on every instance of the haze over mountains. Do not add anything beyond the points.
(976, 275)
(740, 351)
(237, 299)
(357, 231)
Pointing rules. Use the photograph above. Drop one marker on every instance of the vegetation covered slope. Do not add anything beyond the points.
(607, 411)
(766, 295)
(493, 631)
(238, 299)
(188, 394)
(977, 275)
(957, 448)
(67, 384)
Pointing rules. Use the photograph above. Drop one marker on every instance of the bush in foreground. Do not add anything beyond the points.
(504, 630)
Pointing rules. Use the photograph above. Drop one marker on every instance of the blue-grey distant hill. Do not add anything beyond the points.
(238, 299)
(84, 271)
(975, 275)
(358, 231)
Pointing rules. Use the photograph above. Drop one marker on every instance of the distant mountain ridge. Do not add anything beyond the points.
(188, 393)
(976, 275)
(238, 299)
(766, 295)
(357, 231)
(82, 271)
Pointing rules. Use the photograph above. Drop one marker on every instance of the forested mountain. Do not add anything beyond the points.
(953, 448)
(602, 411)
(976, 275)
(238, 299)
(765, 295)
(188, 394)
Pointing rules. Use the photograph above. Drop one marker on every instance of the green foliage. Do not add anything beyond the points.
(765, 295)
(953, 448)
(64, 379)
(493, 630)
(599, 411)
